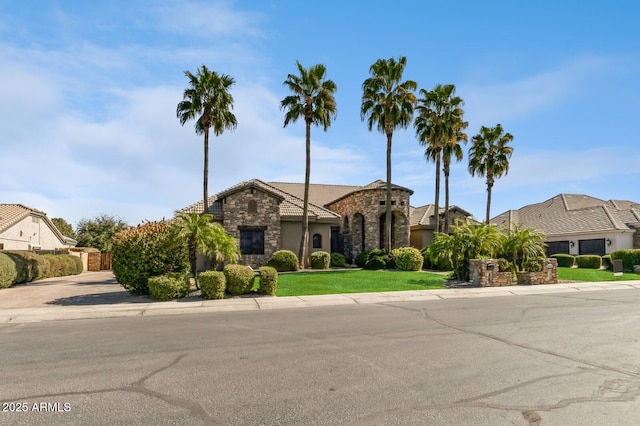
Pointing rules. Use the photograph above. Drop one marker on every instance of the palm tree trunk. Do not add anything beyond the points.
(387, 216)
(205, 181)
(437, 201)
(446, 170)
(304, 239)
(489, 186)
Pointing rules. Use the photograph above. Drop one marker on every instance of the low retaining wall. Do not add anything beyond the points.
(548, 275)
(485, 273)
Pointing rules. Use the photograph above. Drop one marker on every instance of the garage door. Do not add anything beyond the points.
(592, 247)
(554, 247)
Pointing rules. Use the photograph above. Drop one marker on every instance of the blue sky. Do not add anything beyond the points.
(89, 92)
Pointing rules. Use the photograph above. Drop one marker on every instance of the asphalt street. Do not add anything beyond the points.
(553, 358)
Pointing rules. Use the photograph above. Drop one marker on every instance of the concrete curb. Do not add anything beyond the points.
(29, 315)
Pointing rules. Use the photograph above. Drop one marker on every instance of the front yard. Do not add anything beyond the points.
(355, 281)
(592, 275)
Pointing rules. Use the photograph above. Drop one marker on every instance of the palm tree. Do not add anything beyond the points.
(489, 157)
(206, 237)
(207, 100)
(388, 103)
(451, 148)
(313, 100)
(520, 244)
(439, 126)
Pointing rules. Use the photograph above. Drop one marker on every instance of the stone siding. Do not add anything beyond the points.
(237, 215)
(636, 238)
(485, 273)
(364, 206)
(548, 275)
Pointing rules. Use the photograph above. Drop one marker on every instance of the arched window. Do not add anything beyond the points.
(252, 207)
(317, 241)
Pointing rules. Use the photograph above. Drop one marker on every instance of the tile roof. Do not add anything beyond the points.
(319, 194)
(290, 205)
(573, 214)
(13, 213)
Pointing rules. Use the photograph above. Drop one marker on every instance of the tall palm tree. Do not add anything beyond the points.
(438, 123)
(388, 103)
(207, 100)
(489, 157)
(313, 100)
(452, 148)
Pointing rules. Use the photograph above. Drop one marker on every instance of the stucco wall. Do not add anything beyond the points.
(292, 231)
(32, 231)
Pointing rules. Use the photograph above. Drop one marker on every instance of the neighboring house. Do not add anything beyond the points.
(423, 223)
(24, 228)
(580, 224)
(267, 216)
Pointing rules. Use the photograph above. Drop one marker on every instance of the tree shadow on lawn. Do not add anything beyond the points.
(109, 298)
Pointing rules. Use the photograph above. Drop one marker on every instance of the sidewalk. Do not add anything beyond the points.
(98, 295)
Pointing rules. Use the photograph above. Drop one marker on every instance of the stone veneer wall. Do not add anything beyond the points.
(235, 209)
(546, 276)
(485, 273)
(367, 203)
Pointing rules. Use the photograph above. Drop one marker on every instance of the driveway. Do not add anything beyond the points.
(88, 288)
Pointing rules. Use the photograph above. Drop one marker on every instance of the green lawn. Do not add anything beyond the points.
(356, 281)
(590, 275)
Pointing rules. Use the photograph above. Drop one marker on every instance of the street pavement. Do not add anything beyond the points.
(98, 295)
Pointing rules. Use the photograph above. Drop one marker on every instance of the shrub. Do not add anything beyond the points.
(320, 260)
(377, 259)
(239, 279)
(408, 258)
(169, 287)
(564, 260)
(284, 260)
(30, 265)
(606, 262)
(505, 266)
(213, 284)
(8, 271)
(55, 265)
(338, 260)
(145, 251)
(589, 261)
(362, 258)
(268, 280)
(629, 257)
(532, 265)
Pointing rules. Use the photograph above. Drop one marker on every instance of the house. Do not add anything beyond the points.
(24, 228)
(580, 224)
(423, 223)
(267, 216)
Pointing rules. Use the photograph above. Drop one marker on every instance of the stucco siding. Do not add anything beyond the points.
(29, 233)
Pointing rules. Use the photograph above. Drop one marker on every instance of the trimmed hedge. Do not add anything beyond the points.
(591, 261)
(144, 251)
(268, 280)
(361, 258)
(213, 284)
(284, 260)
(408, 258)
(564, 260)
(239, 278)
(377, 259)
(169, 287)
(320, 260)
(23, 266)
(629, 257)
(338, 260)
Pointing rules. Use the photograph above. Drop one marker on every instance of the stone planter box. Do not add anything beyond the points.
(548, 275)
(485, 273)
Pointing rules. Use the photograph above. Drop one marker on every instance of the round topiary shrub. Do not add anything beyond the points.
(361, 259)
(408, 258)
(320, 260)
(268, 280)
(338, 260)
(213, 284)
(169, 287)
(145, 251)
(239, 278)
(284, 260)
(564, 260)
(377, 259)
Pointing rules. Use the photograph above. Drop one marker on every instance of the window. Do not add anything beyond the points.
(252, 241)
(252, 207)
(317, 241)
(382, 202)
(1, 246)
